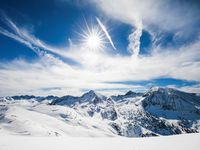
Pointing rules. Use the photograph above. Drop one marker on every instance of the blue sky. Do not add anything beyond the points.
(42, 47)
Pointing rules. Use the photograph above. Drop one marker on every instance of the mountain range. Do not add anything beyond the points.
(158, 111)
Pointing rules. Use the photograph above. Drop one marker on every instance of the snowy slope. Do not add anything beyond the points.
(33, 118)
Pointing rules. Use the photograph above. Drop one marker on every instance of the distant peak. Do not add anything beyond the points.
(91, 92)
(130, 93)
(156, 88)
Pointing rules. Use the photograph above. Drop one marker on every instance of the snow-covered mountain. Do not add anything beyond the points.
(69, 100)
(159, 111)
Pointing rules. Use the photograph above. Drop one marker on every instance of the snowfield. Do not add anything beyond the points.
(175, 142)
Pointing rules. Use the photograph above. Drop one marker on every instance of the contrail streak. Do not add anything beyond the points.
(106, 32)
(134, 38)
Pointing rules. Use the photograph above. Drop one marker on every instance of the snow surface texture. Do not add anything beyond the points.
(159, 111)
(177, 142)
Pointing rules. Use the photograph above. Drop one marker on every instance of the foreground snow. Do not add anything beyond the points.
(176, 142)
(36, 119)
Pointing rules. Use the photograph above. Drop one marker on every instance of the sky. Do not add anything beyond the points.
(61, 47)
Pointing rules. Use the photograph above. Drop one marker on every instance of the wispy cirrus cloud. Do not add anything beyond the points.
(25, 37)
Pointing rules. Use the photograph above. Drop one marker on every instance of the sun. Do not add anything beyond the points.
(93, 41)
(93, 38)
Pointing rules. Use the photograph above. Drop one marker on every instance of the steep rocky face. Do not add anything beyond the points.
(170, 103)
(171, 99)
(109, 111)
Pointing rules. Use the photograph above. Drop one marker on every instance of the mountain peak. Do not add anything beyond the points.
(88, 96)
(89, 93)
(130, 93)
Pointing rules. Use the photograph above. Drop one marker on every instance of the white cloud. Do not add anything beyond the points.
(22, 77)
(167, 15)
(190, 89)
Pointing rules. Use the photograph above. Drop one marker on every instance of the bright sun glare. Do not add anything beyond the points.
(93, 38)
(93, 42)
